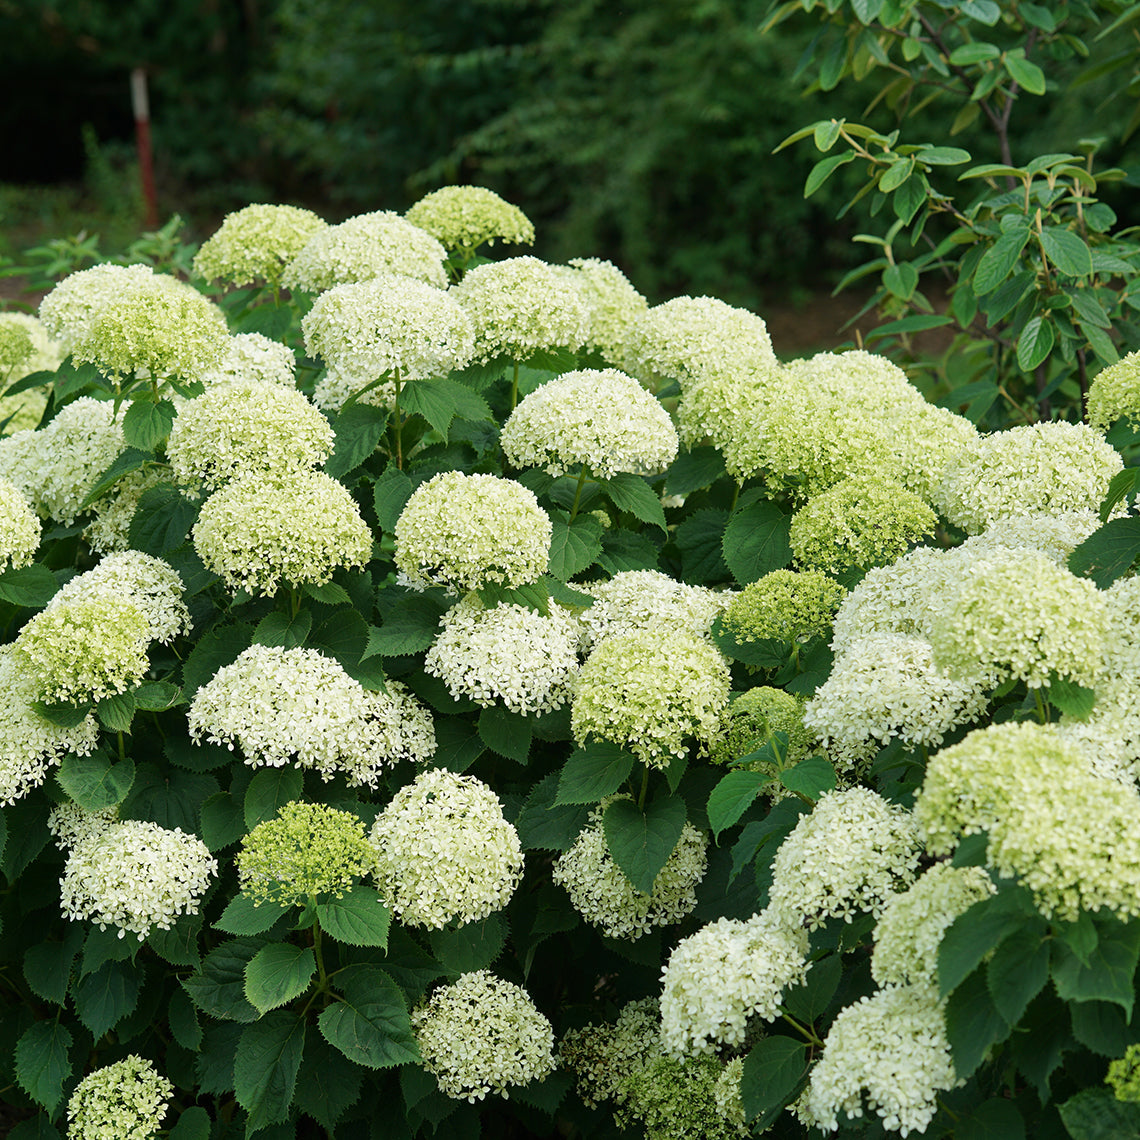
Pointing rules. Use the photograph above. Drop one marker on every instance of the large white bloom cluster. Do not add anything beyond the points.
(256, 243)
(1071, 836)
(726, 973)
(251, 356)
(651, 689)
(69, 310)
(851, 853)
(444, 851)
(282, 706)
(1039, 469)
(886, 685)
(135, 876)
(246, 427)
(507, 653)
(482, 1035)
(613, 305)
(260, 532)
(126, 1100)
(634, 599)
(364, 247)
(602, 894)
(519, 306)
(19, 527)
(891, 1048)
(1115, 393)
(913, 922)
(58, 465)
(600, 419)
(388, 325)
(465, 531)
(30, 744)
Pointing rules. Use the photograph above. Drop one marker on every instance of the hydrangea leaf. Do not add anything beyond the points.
(1095, 1114)
(193, 1124)
(1110, 971)
(642, 841)
(42, 1064)
(217, 988)
(543, 826)
(733, 796)
(506, 733)
(772, 1074)
(693, 470)
(265, 1067)
(972, 935)
(269, 790)
(973, 1024)
(358, 918)
(28, 586)
(243, 916)
(574, 546)
(1019, 969)
(94, 782)
(390, 495)
(47, 966)
(162, 520)
(104, 997)
(632, 493)
(277, 974)
(811, 777)
(146, 423)
(473, 946)
(756, 541)
(369, 1024)
(593, 772)
(359, 428)
(328, 1082)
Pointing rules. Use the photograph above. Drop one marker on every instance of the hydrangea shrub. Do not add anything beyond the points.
(450, 696)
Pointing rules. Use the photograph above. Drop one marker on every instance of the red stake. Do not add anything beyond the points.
(141, 106)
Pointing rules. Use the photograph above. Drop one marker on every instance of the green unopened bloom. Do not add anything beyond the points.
(256, 243)
(464, 217)
(785, 605)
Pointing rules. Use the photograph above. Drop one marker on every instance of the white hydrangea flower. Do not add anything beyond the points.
(1016, 613)
(508, 652)
(926, 439)
(260, 532)
(851, 853)
(602, 894)
(635, 599)
(613, 303)
(249, 357)
(482, 1035)
(1069, 835)
(729, 1102)
(464, 217)
(389, 325)
(1042, 469)
(19, 527)
(466, 531)
(87, 648)
(282, 706)
(913, 922)
(1054, 535)
(71, 824)
(148, 583)
(256, 243)
(126, 1100)
(602, 419)
(520, 305)
(712, 407)
(247, 427)
(364, 247)
(726, 973)
(29, 744)
(602, 1056)
(42, 353)
(70, 309)
(884, 686)
(690, 339)
(445, 852)
(334, 390)
(651, 689)
(135, 876)
(890, 1047)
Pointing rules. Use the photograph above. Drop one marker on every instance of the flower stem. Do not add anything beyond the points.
(644, 789)
(515, 387)
(578, 493)
(397, 427)
(808, 1033)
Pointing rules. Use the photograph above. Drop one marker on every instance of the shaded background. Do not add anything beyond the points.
(639, 132)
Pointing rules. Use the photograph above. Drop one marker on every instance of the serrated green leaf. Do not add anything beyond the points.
(1108, 553)
(358, 429)
(390, 495)
(410, 627)
(116, 712)
(699, 539)
(972, 935)
(162, 520)
(1101, 1027)
(265, 1067)
(360, 917)
(733, 796)
(282, 630)
(811, 777)
(328, 1083)
(642, 841)
(1110, 971)
(31, 587)
(1018, 970)
(632, 493)
(369, 1024)
(440, 401)
(973, 1024)
(756, 541)
(178, 944)
(809, 1000)
(474, 946)
(182, 1018)
(105, 996)
(269, 791)
(994, 1119)
(574, 546)
(1095, 1114)
(277, 974)
(216, 648)
(1075, 701)
(509, 734)
(628, 550)
(146, 424)
(223, 821)
(193, 1124)
(535, 596)
(772, 1073)
(593, 772)
(543, 826)
(94, 782)
(457, 743)
(329, 594)
(693, 470)
(47, 967)
(41, 1062)
(243, 916)
(156, 696)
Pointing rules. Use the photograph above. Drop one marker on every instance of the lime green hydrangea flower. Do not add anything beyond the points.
(651, 690)
(751, 720)
(602, 1056)
(304, 853)
(784, 605)
(670, 1098)
(69, 310)
(613, 303)
(860, 522)
(364, 247)
(464, 217)
(126, 1100)
(19, 527)
(253, 357)
(1124, 1075)
(260, 532)
(1115, 393)
(465, 531)
(506, 1041)
(255, 244)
